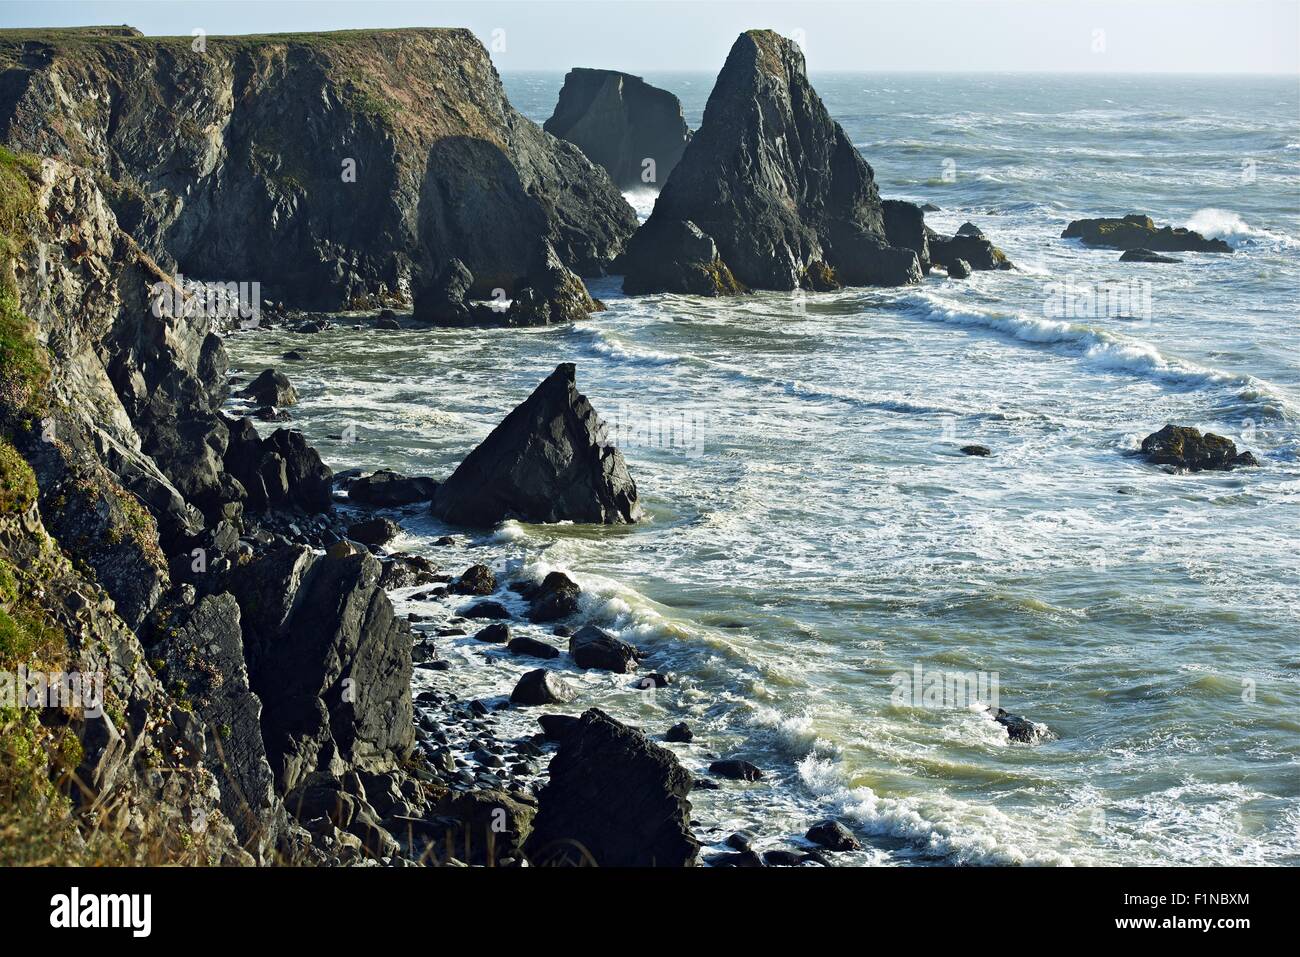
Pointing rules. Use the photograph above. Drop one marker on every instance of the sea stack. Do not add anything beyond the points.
(635, 131)
(775, 184)
(548, 461)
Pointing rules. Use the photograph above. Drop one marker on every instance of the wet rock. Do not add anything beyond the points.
(374, 531)
(675, 255)
(444, 300)
(974, 252)
(652, 680)
(1145, 256)
(533, 648)
(679, 733)
(476, 580)
(271, 388)
(497, 634)
(833, 836)
(775, 183)
(738, 859)
(976, 450)
(959, 269)
(619, 121)
(782, 858)
(1185, 447)
(613, 799)
(905, 228)
(556, 727)
(551, 293)
(556, 598)
(970, 229)
(1019, 729)
(269, 413)
(1136, 231)
(388, 488)
(740, 841)
(493, 610)
(736, 770)
(705, 784)
(542, 687)
(404, 570)
(592, 647)
(548, 461)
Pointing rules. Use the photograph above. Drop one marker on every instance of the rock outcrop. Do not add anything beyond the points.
(290, 135)
(775, 184)
(548, 461)
(620, 122)
(1185, 447)
(1136, 231)
(613, 799)
(1145, 256)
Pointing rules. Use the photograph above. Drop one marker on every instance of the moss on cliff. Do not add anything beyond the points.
(24, 369)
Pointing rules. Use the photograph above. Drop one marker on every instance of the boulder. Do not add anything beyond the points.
(613, 799)
(556, 598)
(674, 255)
(959, 269)
(271, 388)
(1145, 256)
(496, 634)
(976, 450)
(403, 570)
(492, 610)
(483, 827)
(833, 836)
(680, 733)
(619, 121)
(551, 294)
(374, 531)
(532, 647)
(592, 647)
(905, 228)
(548, 461)
(1019, 728)
(973, 252)
(969, 229)
(542, 687)
(775, 183)
(556, 727)
(736, 769)
(475, 580)
(1136, 231)
(1185, 447)
(388, 488)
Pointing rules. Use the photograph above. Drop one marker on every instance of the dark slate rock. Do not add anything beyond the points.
(493, 610)
(271, 388)
(556, 598)
(403, 570)
(613, 799)
(592, 647)
(833, 836)
(533, 648)
(679, 733)
(1019, 728)
(1185, 447)
(374, 531)
(1136, 231)
(548, 461)
(976, 450)
(776, 184)
(619, 121)
(736, 769)
(476, 580)
(1145, 256)
(969, 229)
(496, 634)
(555, 727)
(959, 269)
(974, 252)
(782, 858)
(674, 255)
(388, 488)
(542, 687)
(905, 228)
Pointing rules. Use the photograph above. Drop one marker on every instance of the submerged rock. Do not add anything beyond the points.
(1146, 256)
(619, 121)
(1136, 231)
(555, 598)
(1185, 447)
(592, 647)
(613, 799)
(1019, 729)
(775, 183)
(548, 461)
(736, 769)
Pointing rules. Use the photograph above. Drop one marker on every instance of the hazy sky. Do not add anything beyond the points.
(654, 35)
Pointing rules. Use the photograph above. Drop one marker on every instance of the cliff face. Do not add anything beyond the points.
(233, 163)
(775, 183)
(620, 121)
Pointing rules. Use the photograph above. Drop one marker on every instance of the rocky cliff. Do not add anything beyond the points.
(775, 183)
(633, 130)
(338, 168)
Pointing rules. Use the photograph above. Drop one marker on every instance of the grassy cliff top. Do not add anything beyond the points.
(71, 37)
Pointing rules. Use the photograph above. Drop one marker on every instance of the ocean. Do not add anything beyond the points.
(817, 551)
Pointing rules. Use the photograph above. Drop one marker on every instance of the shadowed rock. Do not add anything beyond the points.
(548, 461)
(1145, 256)
(1136, 231)
(775, 183)
(619, 121)
(613, 799)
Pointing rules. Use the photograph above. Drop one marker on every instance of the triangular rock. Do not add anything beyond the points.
(548, 461)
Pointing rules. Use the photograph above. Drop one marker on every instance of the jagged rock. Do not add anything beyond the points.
(775, 183)
(542, 687)
(905, 228)
(1019, 729)
(975, 252)
(374, 531)
(484, 827)
(673, 255)
(1185, 447)
(976, 450)
(969, 229)
(556, 598)
(959, 269)
(548, 461)
(1136, 231)
(555, 727)
(619, 121)
(613, 799)
(443, 161)
(833, 836)
(533, 648)
(330, 662)
(271, 388)
(443, 301)
(475, 580)
(592, 647)
(551, 294)
(1145, 256)
(388, 488)
(497, 634)
(281, 470)
(736, 769)
(403, 570)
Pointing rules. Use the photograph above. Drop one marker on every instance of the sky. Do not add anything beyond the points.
(1105, 36)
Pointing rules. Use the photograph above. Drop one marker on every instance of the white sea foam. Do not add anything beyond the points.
(1231, 228)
